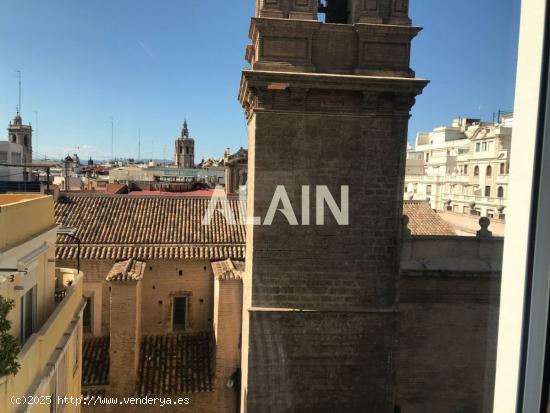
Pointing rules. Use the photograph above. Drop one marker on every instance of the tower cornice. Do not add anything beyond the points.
(328, 93)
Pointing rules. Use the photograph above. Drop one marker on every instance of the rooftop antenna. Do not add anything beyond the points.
(139, 145)
(35, 127)
(112, 138)
(19, 105)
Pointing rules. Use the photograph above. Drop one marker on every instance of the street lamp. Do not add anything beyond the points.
(70, 232)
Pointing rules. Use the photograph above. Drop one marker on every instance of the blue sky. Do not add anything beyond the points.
(150, 63)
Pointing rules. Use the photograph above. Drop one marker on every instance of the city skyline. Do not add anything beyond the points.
(146, 70)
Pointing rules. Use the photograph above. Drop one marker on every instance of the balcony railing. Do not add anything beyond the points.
(60, 294)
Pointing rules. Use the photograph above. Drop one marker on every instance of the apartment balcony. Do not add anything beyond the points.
(490, 200)
(502, 179)
(41, 354)
(460, 179)
(429, 179)
(64, 279)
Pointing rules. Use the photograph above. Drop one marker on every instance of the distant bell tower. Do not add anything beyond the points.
(21, 134)
(185, 149)
(327, 106)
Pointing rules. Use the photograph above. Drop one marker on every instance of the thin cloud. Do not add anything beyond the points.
(146, 49)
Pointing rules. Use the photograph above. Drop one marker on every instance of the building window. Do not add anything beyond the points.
(490, 213)
(489, 171)
(487, 190)
(16, 158)
(500, 192)
(3, 157)
(484, 147)
(465, 169)
(427, 157)
(187, 151)
(428, 189)
(13, 138)
(502, 169)
(476, 171)
(415, 188)
(26, 140)
(179, 313)
(478, 147)
(87, 316)
(28, 314)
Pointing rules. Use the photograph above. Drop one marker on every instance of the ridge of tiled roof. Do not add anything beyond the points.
(122, 227)
(423, 220)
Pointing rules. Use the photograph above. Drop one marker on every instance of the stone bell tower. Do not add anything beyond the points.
(22, 135)
(185, 149)
(326, 104)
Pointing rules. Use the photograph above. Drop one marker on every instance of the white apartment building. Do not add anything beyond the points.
(11, 154)
(462, 168)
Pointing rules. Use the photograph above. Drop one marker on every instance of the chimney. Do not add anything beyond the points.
(125, 279)
(228, 307)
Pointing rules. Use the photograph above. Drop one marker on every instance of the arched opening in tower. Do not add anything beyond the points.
(336, 11)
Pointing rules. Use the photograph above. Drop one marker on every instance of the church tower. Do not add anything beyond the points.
(327, 104)
(21, 134)
(185, 149)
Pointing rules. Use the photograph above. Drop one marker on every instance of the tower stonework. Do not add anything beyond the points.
(185, 149)
(22, 135)
(326, 104)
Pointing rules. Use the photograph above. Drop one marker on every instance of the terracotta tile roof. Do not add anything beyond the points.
(174, 364)
(169, 364)
(116, 189)
(121, 227)
(423, 220)
(127, 270)
(95, 361)
(228, 269)
(196, 193)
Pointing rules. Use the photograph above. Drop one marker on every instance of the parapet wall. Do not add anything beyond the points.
(449, 303)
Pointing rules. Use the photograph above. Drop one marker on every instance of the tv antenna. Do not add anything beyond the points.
(139, 145)
(112, 138)
(19, 104)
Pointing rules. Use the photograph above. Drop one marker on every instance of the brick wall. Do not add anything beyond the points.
(125, 336)
(338, 354)
(161, 281)
(228, 306)
(448, 340)
(449, 305)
